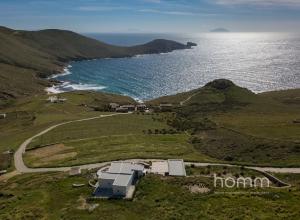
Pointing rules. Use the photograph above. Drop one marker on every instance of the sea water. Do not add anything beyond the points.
(259, 61)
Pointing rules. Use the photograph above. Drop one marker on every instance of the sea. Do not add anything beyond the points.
(258, 61)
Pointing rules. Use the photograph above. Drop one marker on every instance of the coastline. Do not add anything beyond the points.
(62, 86)
(69, 86)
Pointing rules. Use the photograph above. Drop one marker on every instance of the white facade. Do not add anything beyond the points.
(121, 184)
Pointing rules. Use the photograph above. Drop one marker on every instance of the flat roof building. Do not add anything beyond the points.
(172, 167)
(160, 167)
(119, 177)
(176, 167)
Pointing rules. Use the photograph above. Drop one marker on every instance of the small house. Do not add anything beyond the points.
(55, 99)
(113, 106)
(2, 116)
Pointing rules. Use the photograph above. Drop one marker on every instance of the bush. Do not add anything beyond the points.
(195, 140)
(229, 158)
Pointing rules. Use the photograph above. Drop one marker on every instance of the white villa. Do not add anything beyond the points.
(118, 179)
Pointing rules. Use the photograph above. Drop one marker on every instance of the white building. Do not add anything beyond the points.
(176, 167)
(55, 99)
(173, 167)
(160, 168)
(2, 116)
(119, 177)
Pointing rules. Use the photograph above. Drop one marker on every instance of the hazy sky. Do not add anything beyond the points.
(184, 16)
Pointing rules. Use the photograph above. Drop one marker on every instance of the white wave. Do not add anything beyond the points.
(82, 86)
(53, 90)
(67, 86)
(64, 73)
(56, 89)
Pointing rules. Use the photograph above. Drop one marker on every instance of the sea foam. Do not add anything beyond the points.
(68, 86)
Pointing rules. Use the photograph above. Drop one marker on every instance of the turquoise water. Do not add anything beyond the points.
(258, 61)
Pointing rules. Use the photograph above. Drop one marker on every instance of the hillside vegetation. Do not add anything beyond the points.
(28, 57)
(231, 123)
(51, 196)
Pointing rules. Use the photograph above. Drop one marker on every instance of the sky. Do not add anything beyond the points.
(151, 16)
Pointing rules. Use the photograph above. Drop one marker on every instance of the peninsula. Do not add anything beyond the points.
(30, 57)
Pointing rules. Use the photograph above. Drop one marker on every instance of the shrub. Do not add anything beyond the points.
(229, 158)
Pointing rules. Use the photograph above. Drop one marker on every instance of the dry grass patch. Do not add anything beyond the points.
(52, 153)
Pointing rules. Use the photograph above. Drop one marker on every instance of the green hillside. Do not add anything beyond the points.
(233, 124)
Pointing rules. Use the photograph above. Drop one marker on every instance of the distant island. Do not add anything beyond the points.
(220, 30)
(30, 57)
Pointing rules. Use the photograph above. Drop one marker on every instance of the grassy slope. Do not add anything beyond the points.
(156, 198)
(42, 53)
(113, 138)
(31, 115)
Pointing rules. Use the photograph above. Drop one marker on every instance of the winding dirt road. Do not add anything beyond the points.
(18, 156)
(22, 168)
